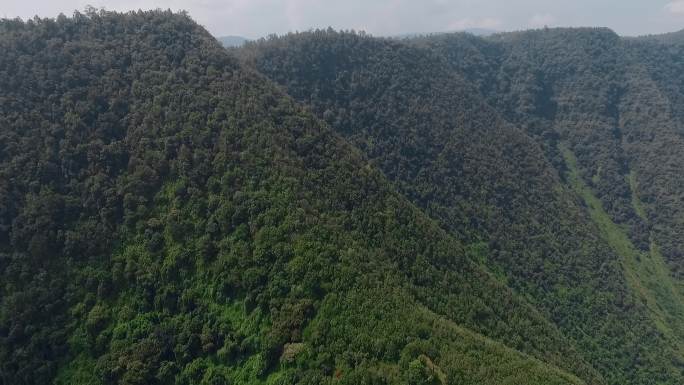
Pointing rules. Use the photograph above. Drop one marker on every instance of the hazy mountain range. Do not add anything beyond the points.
(232, 41)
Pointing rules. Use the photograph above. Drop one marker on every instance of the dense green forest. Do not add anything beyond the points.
(556, 150)
(333, 208)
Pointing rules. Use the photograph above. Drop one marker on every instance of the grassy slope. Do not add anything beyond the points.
(647, 273)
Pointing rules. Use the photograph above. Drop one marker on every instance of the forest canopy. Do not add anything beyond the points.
(333, 208)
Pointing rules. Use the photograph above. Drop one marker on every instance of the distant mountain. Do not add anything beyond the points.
(232, 41)
(668, 38)
(473, 31)
(480, 31)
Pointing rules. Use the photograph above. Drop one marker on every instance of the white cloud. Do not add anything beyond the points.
(541, 20)
(675, 7)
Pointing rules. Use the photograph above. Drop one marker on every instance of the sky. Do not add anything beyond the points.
(257, 18)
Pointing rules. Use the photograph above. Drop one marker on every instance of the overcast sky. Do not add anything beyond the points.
(256, 18)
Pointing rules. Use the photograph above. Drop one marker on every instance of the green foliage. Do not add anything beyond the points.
(646, 272)
(468, 129)
(174, 218)
(168, 215)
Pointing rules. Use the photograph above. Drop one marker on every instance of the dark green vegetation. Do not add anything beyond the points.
(559, 151)
(168, 215)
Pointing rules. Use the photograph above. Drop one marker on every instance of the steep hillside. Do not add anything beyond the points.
(608, 109)
(168, 216)
(615, 101)
(496, 170)
(613, 104)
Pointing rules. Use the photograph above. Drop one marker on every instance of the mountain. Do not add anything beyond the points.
(480, 31)
(169, 215)
(668, 38)
(332, 208)
(232, 41)
(538, 145)
(472, 31)
(616, 108)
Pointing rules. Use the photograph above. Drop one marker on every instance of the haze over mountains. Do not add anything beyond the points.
(239, 41)
(232, 41)
(333, 208)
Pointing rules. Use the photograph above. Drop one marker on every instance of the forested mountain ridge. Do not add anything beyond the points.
(614, 103)
(566, 221)
(170, 216)
(668, 38)
(333, 208)
(592, 89)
